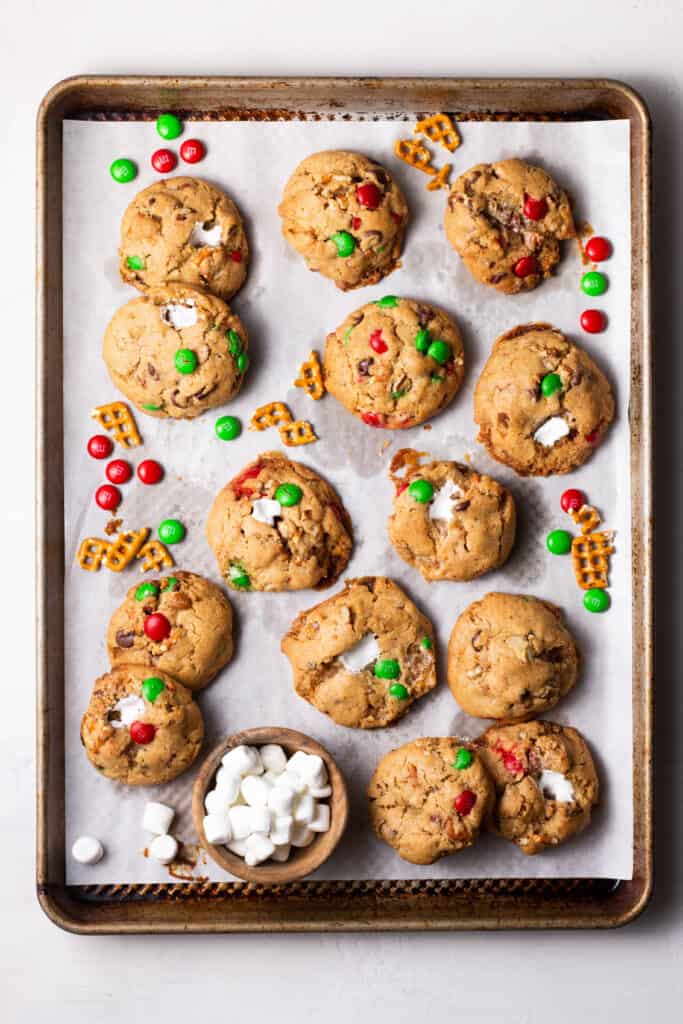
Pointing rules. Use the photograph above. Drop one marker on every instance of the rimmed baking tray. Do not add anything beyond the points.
(338, 906)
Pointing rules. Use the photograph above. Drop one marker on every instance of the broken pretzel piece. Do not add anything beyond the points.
(590, 556)
(271, 415)
(156, 556)
(440, 180)
(311, 378)
(587, 517)
(299, 432)
(91, 552)
(117, 419)
(414, 153)
(124, 549)
(439, 128)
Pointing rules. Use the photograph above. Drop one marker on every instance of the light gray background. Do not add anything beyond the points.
(48, 976)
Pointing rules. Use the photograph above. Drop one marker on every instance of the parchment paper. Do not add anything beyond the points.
(288, 311)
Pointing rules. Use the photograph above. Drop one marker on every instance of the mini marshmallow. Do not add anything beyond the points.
(281, 829)
(320, 792)
(556, 786)
(228, 782)
(260, 820)
(271, 777)
(266, 510)
(442, 506)
(309, 767)
(257, 849)
(551, 431)
(291, 780)
(215, 802)
(281, 853)
(157, 818)
(304, 810)
(179, 314)
(202, 236)
(218, 828)
(238, 846)
(302, 835)
(163, 848)
(240, 821)
(243, 761)
(87, 850)
(129, 709)
(255, 790)
(361, 654)
(273, 758)
(281, 799)
(321, 820)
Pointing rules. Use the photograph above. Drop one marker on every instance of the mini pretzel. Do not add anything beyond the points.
(590, 555)
(91, 552)
(405, 459)
(587, 517)
(271, 415)
(439, 128)
(440, 180)
(414, 153)
(118, 419)
(124, 549)
(311, 378)
(155, 555)
(299, 432)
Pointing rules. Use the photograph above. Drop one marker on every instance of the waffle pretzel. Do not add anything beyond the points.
(117, 418)
(91, 552)
(124, 549)
(414, 153)
(299, 432)
(439, 128)
(273, 414)
(590, 555)
(311, 377)
(440, 179)
(156, 556)
(587, 517)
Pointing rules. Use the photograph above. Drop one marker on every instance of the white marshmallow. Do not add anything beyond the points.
(266, 510)
(217, 828)
(273, 758)
(179, 314)
(243, 761)
(320, 792)
(228, 782)
(202, 236)
(238, 846)
(281, 853)
(321, 820)
(552, 431)
(240, 821)
(556, 786)
(441, 507)
(363, 653)
(281, 829)
(257, 849)
(130, 709)
(255, 790)
(281, 799)
(157, 818)
(309, 767)
(304, 810)
(215, 802)
(302, 835)
(164, 849)
(87, 850)
(291, 780)
(271, 777)
(260, 820)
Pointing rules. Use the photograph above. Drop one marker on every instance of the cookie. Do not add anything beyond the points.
(545, 779)
(184, 230)
(279, 526)
(346, 216)
(429, 798)
(141, 727)
(199, 614)
(176, 352)
(506, 221)
(541, 403)
(394, 363)
(511, 657)
(450, 522)
(364, 656)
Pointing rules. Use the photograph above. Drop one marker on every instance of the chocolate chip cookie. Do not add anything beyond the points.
(510, 656)
(199, 616)
(430, 798)
(176, 352)
(545, 779)
(541, 403)
(279, 526)
(141, 726)
(346, 216)
(506, 220)
(395, 362)
(184, 230)
(364, 656)
(448, 521)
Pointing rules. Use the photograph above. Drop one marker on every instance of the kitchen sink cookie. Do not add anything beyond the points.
(346, 216)
(506, 220)
(176, 352)
(545, 779)
(429, 798)
(510, 656)
(191, 628)
(141, 726)
(394, 363)
(279, 526)
(450, 522)
(184, 230)
(541, 403)
(364, 656)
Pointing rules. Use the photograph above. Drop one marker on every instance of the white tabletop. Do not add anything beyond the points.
(49, 976)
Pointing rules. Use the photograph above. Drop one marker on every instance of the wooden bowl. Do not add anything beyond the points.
(303, 860)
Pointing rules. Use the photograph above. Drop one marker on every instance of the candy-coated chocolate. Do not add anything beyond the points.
(593, 321)
(170, 583)
(234, 343)
(426, 642)
(118, 471)
(152, 687)
(239, 577)
(185, 360)
(108, 497)
(146, 590)
(288, 494)
(157, 627)
(344, 242)
(150, 471)
(151, 407)
(526, 266)
(535, 209)
(228, 428)
(551, 383)
(572, 500)
(399, 691)
(171, 531)
(596, 600)
(369, 196)
(100, 446)
(387, 668)
(594, 283)
(135, 263)
(235, 255)
(372, 419)
(377, 342)
(192, 151)
(123, 170)
(598, 249)
(169, 126)
(422, 340)
(142, 732)
(243, 362)
(421, 490)
(594, 436)
(440, 352)
(559, 542)
(463, 759)
(388, 302)
(163, 161)
(465, 801)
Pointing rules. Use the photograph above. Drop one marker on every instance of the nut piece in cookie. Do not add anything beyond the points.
(346, 216)
(429, 798)
(394, 363)
(184, 230)
(545, 779)
(510, 656)
(450, 522)
(176, 352)
(506, 220)
(364, 656)
(541, 403)
(199, 641)
(141, 727)
(279, 526)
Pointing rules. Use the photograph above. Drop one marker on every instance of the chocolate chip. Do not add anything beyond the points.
(125, 639)
(151, 370)
(364, 367)
(460, 506)
(497, 278)
(503, 419)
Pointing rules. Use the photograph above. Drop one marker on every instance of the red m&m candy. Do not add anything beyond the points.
(594, 436)
(118, 471)
(192, 151)
(100, 446)
(163, 161)
(535, 209)
(377, 342)
(356, 223)
(157, 627)
(150, 472)
(593, 321)
(369, 196)
(526, 266)
(372, 419)
(108, 497)
(572, 500)
(142, 732)
(236, 256)
(465, 801)
(598, 249)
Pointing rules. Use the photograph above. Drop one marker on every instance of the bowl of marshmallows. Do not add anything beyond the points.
(269, 805)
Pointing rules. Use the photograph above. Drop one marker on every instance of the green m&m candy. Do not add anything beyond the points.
(387, 302)
(171, 531)
(151, 407)
(344, 242)
(594, 283)
(234, 343)
(426, 642)
(185, 360)
(135, 263)
(421, 490)
(559, 542)
(463, 759)
(387, 668)
(238, 577)
(146, 590)
(440, 352)
(288, 494)
(228, 428)
(170, 583)
(551, 383)
(437, 378)
(596, 600)
(169, 126)
(399, 691)
(243, 362)
(123, 171)
(152, 687)
(422, 340)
